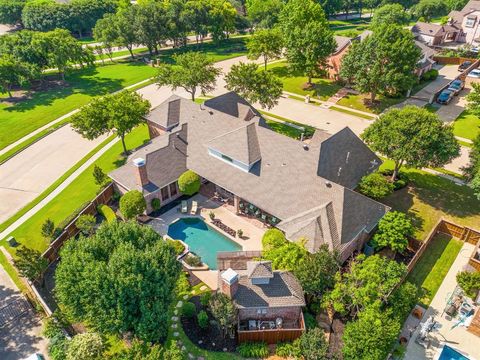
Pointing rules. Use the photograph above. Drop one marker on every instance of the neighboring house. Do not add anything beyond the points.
(306, 190)
(426, 62)
(436, 35)
(269, 302)
(468, 20)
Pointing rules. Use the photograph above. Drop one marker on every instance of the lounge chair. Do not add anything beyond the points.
(194, 209)
(184, 208)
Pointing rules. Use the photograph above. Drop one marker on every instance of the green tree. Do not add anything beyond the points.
(375, 185)
(254, 85)
(383, 62)
(412, 136)
(284, 254)
(456, 4)
(224, 311)
(473, 99)
(403, 300)
(151, 25)
(14, 72)
(317, 272)
(390, 14)
(372, 336)
(192, 70)
(313, 345)
(307, 37)
(394, 229)
(222, 19)
(189, 183)
(429, 9)
(369, 279)
(267, 44)
(132, 204)
(120, 112)
(475, 184)
(86, 346)
(127, 28)
(469, 282)
(86, 224)
(264, 13)
(198, 16)
(31, 264)
(119, 280)
(11, 11)
(99, 176)
(48, 229)
(106, 32)
(45, 15)
(202, 319)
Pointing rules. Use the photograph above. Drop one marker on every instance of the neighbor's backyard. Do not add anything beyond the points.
(467, 125)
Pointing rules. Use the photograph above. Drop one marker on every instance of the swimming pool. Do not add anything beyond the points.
(201, 239)
(450, 354)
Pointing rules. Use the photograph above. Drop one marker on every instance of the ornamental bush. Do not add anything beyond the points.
(189, 183)
(189, 310)
(132, 204)
(202, 319)
(193, 260)
(290, 350)
(86, 346)
(253, 350)
(394, 229)
(156, 204)
(375, 186)
(469, 282)
(177, 245)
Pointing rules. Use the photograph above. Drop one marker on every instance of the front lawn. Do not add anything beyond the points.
(349, 28)
(467, 125)
(431, 197)
(361, 102)
(82, 190)
(295, 82)
(433, 266)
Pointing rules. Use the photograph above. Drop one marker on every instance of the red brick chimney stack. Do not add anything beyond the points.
(229, 283)
(141, 171)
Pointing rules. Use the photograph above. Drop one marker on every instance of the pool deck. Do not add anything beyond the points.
(252, 234)
(459, 338)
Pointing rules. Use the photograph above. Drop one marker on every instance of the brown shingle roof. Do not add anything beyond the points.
(342, 43)
(259, 269)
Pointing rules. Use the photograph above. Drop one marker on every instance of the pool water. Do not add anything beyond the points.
(449, 354)
(202, 239)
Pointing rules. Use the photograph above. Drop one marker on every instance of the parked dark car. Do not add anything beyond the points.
(456, 86)
(445, 97)
(464, 66)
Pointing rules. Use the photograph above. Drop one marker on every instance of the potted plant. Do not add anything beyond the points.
(240, 233)
(212, 215)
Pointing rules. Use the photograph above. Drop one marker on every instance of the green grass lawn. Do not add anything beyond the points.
(433, 266)
(349, 28)
(121, 53)
(79, 192)
(360, 102)
(287, 130)
(431, 197)
(467, 125)
(364, 116)
(295, 82)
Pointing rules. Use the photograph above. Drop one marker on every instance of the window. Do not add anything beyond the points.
(225, 157)
(173, 189)
(470, 23)
(164, 192)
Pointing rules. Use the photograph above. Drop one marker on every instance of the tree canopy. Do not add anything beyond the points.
(264, 13)
(254, 85)
(284, 254)
(267, 44)
(224, 311)
(189, 183)
(428, 9)
(119, 280)
(192, 70)
(412, 136)
(390, 14)
(11, 11)
(308, 39)
(132, 204)
(393, 231)
(375, 185)
(86, 346)
(31, 264)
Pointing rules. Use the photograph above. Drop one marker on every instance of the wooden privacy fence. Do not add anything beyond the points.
(71, 229)
(272, 336)
(446, 60)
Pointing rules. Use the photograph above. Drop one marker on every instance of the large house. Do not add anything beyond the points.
(306, 190)
(269, 302)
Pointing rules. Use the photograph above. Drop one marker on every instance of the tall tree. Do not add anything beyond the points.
(412, 136)
(150, 22)
(383, 62)
(307, 36)
(222, 19)
(119, 112)
(11, 11)
(224, 311)
(197, 14)
(119, 280)
(106, 32)
(267, 44)
(31, 264)
(394, 229)
(390, 14)
(192, 70)
(127, 28)
(284, 254)
(14, 72)
(264, 13)
(428, 9)
(254, 85)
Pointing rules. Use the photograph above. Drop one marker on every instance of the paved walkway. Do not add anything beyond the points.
(458, 338)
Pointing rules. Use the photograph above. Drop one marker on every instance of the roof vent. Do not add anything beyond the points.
(305, 147)
(139, 162)
(328, 183)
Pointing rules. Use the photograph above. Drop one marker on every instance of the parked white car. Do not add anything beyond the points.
(475, 73)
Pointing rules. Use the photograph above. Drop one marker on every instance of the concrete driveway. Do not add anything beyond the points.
(20, 326)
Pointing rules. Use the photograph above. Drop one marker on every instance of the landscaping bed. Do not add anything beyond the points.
(211, 338)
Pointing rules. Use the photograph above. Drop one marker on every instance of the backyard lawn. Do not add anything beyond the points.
(431, 197)
(433, 266)
(295, 82)
(349, 28)
(467, 125)
(79, 192)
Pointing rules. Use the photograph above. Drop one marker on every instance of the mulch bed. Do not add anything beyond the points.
(209, 339)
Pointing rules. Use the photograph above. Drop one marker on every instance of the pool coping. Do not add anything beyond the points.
(442, 346)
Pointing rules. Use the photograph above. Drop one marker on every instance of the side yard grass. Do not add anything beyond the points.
(359, 102)
(433, 266)
(79, 192)
(467, 125)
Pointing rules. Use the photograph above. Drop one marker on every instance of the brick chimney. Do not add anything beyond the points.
(229, 283)
(141, 171)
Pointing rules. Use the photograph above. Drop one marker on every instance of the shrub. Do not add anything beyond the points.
(86, 224)
(211, 214)
(107, 212)
(177, 246)
(313, 345)
(99, 176)
(430, 75)
(289, 350)
(240, 233)
(132, 204)
(48, 229)
(202, 319)
(189, 183)
(310, 321)
(58, 343)
(189, 310)
(193, 260)
(394, 229)
(86, 346)
(156, 204)
(375, 186)
(253, 350)
(205, 298)
(469, 282)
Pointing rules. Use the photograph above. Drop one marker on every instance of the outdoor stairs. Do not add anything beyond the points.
(13, 310)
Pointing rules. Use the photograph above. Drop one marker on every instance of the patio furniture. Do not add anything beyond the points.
(194, 209)
(184, 208)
